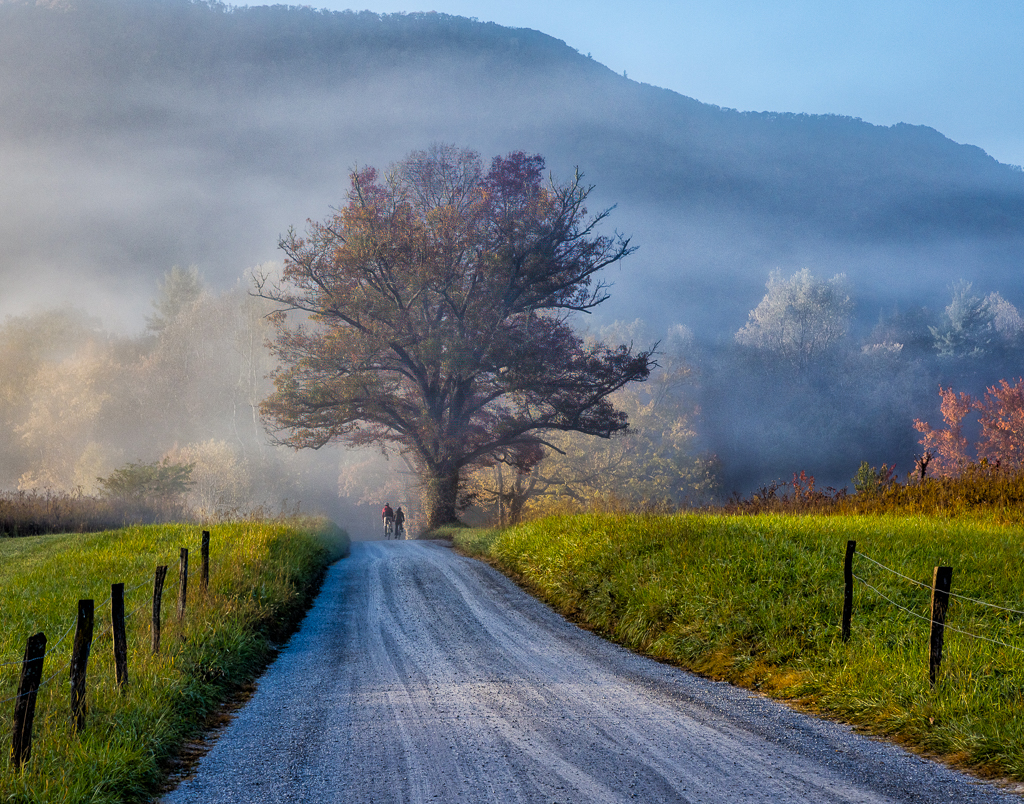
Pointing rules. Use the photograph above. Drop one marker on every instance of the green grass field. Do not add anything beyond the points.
(757, 600)
(261, 577)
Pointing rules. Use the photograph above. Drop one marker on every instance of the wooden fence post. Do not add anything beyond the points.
(182, 583)
(158, 593)
(205, 553)
(25, 707)
(941, 581)
(80, 661)
(120, 638)
(851, 548)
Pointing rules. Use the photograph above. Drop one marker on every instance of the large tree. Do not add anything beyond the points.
(435, 306)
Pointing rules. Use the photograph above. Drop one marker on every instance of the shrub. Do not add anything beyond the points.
(162, 481)
(870, 480)
(804, 497)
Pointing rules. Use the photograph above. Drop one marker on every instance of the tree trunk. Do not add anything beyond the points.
(440, 497)
(515, 509)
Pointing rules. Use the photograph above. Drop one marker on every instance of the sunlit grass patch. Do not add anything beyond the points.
(757, 600)
(261, 577)
(473, 541)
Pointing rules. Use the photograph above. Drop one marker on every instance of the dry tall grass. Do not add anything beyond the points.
(34, 513)
(981, 490)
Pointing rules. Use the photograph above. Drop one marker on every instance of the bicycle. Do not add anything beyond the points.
(400, 530)
(389, 527)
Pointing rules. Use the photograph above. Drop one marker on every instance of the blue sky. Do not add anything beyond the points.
(955, 66)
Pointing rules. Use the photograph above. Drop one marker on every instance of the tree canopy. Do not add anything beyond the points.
(160, 481)
(800, 318)
(436, 305)
(179, 291)
(654, 465)
(968, 328)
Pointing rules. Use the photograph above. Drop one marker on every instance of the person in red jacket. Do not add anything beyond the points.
(389, 519)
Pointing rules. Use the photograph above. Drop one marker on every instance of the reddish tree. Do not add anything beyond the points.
(948, 446)
(1001, 415)
(437, 301)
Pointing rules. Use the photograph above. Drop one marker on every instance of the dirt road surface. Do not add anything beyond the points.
(423, 676)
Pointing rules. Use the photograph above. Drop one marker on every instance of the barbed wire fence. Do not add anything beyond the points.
(17, 732)
(941, 593)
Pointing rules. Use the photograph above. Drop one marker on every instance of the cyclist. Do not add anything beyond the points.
(399, 523)
(389, 520)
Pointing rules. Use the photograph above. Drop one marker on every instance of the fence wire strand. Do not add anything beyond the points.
(42, 683)
(11, 664)
(930, 621)
(894, 572)
(51, 648)
(951, 594)
(133, 588)
(893, 602)
(6, 735)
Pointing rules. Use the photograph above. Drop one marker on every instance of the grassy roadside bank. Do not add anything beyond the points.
(757, 600)
(262, 577)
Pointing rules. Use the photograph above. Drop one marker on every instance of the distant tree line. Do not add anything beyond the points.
(653, 465)
(795, 390)
(172, 414)
(167, 416)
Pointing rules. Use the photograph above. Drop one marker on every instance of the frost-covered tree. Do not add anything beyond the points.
(30, 346)
(800, 319)
(1006, 319)
(65, 419)
(968, 327)
(77, 401)
(221, 483)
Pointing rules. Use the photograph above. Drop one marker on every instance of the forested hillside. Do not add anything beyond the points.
(138, 135)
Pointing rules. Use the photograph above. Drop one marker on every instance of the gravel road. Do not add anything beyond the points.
(423, 676)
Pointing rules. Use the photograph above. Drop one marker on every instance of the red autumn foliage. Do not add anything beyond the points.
(948, 445)
(1001, 441)
(1001, 415)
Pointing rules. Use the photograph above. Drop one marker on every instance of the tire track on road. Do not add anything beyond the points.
(423, 676)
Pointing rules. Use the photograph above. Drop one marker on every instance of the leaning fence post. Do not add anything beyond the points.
(182, 583)
(80, 661)
(941, 581)
(120, 638)
(25, 707)
(204, 576)
(158, 593)
(851, 548)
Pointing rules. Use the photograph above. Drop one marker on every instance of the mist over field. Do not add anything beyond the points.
(137, 136)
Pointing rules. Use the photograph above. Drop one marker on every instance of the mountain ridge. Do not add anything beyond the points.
(229, 124)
